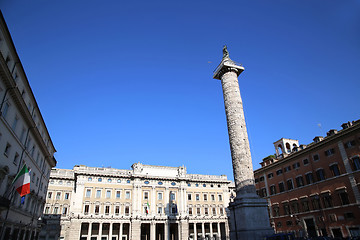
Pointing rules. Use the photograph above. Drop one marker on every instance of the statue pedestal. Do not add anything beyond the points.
(249, 219)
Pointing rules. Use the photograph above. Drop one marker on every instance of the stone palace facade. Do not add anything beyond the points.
(313, 190)
(147, 202)
(24, 139)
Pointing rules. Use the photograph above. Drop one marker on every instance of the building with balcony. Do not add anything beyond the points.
(313, 190)
(146, 202)
(24, 139)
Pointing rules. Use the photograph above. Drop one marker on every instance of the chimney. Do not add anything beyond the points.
(331, 132)
(346, 125)
(318, 139)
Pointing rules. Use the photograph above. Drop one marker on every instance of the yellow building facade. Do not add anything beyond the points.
(146, 202)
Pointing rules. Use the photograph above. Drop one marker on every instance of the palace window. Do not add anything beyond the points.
(320, 174)
(295, 207)
(327, 200)
(97, 209)
(309, 178)
(299, 181)
(117, 210)
(279, 172)
(98, 193)
(287, 169)
(190, 211)
(118, 194)
(160, 196)
(289, 184)
(335, 170)
(306, 161)
(212, 197)
(286, 208)
(108, 193)
(272, 189)
(315, 201)
(7, 150)
(281, 187)
(214, 211)
(197, 197)
(198, 211)
(127, 210)
(356, 163)
(344, 197)
(107, 210)
(350, 144)
(330, 152)
(276, 210)
(296, 165)
(205, 197)
(88, 193)
(146, 195)
(159, 210)
(127, 195)
(270, 175)
(316, 157)
(189, 196)
(220, 197)
(172, 196)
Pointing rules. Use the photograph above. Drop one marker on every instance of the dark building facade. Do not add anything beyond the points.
(313, 190)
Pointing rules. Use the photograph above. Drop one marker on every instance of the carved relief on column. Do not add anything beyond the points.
(239, 143)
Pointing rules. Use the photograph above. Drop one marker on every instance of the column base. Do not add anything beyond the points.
(249, 219)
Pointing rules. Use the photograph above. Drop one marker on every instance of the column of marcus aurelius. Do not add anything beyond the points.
(249, 218)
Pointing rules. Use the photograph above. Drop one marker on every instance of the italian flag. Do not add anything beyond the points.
(147, 208)
(22, 181)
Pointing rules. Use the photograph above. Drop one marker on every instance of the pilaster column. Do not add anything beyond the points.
(227, 229)
(100, 229)
(218, 230)
(167, 202)
(153, 204)
(195, 232)
(349, 170)
(89, 231)
(166, 230)
(121, 231)
(152, 230)
(211, 230)
(110, 231)
(203, 229)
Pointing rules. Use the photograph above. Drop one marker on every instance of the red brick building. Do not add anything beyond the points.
(313, 190)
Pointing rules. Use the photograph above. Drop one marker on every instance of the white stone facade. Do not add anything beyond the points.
(147, 202)
(24, 139)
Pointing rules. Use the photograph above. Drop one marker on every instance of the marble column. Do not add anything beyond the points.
(121, 231)
(203, 230)
(89, 232)
(166, 231)
(211, 230)
(218, 230)
(195, 232)
(110, 231)
(152, 231)
(100, 229)
(248, 213)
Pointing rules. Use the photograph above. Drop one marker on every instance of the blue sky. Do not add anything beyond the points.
(120, 82)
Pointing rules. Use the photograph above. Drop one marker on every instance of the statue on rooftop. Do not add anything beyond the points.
(225, 52)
